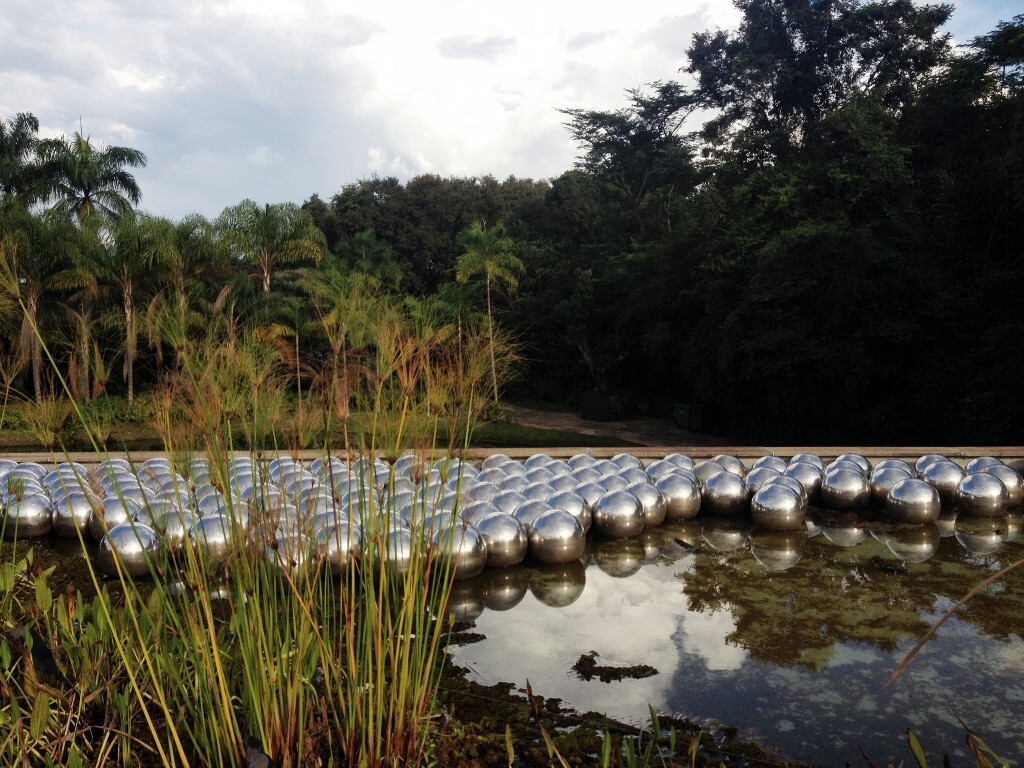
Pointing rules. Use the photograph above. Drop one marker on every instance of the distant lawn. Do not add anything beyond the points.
(500, 434)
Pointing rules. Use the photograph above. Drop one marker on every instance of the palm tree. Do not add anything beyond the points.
(84, 180)
(489, 252)
(264, 237)
(19, 173)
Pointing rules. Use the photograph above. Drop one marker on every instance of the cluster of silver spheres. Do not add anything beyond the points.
(498, 513)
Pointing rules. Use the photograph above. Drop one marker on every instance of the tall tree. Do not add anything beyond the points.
(19, 172)
(83, 179)
(490, 252)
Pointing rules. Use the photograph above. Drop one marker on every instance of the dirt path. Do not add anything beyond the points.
(639, 431)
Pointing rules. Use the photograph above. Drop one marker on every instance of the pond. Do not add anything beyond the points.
(798, 659)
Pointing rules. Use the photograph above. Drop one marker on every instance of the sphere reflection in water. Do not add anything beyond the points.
(559, 585)
(778, 550)
(134, 544)
(619, 557)
(557, 537)
(725, 534)
(913, 501)
(978, 495)
(725, 494)
(682, 495)
(844, 535)
(914, 544)
(504, 588)
(465, 601)
(777, 507)
(681, 537)
(618, 514)
(981, 535)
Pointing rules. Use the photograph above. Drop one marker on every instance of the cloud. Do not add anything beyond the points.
(468, 47)
(263, 157)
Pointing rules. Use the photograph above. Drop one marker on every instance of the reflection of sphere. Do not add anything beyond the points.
(844, 535)
(504, 588)
(725, 534)
(845, 489)
(1011, 479)
(651, 502)
(883, 479)
(135, 545)
(26, 516)
(461, 549)
(1014, 520)
(681, 537)
(557, 537)
(505, 538)
(979, 495)
(914, 544)
(944, 476)
(809, 476)
(618, 514)
(559, 585)
(913, 501)
(725, 494)
(980, 535)
(777, 507)
(778, 550)
(575, 504)
(682, 496)
(465, 601)
(619, 557)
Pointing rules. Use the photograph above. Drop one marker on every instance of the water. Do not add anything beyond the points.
(797, 658)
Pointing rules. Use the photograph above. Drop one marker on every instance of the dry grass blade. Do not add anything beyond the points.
(961, 602)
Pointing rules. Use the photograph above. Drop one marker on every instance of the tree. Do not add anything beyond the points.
(19, 173)
(489, 252)
(83, 179)
(265, 237)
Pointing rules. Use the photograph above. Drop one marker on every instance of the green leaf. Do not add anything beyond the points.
(40, 715)
(917, 749)
(44, 596)
(509, 751)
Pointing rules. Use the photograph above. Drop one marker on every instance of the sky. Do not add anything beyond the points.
(276, 100)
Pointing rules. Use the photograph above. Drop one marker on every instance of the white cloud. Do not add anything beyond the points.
(264, 157)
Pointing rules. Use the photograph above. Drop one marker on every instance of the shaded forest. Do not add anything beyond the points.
(815, 233)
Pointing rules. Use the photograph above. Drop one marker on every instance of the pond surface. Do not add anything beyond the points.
(789, 638)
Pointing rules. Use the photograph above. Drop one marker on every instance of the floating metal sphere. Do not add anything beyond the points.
(539, 475)
(660, 467)
(680, 460)
(914, 544)
(528, 512)
(565, 482)
(587, 474)
(614, 483)
(504, 588)
(809, 476)
(559, 585)
(483, 492)
(730, 464)
(845, 464)
(559, 468)
(461, 550)
(537, 491)
(682, 496)
(927, 460)
(883, 479)
(702, 470)
(581, 460)
(557, 537)
(590, 492)
(133, 544)
(114, 511)
(808, 458)
(1011, 479)
(778, 550)
(618, 514)
(845, 489)
(537, 460)
(981, 535)
(291, 554)
(173, 527)
(574, 504)
(944, 476)
(476, 511)
(777, 507)
(725, 534)
(634, 475)
(979, 463)
(71, 515)
(913, 501)
(777, 463)
(857, 459)
(619, 558)
(725, 494)
(508, 501)
(26, 516)
(894, 464)
(627, 460)
(651, 501)
(793, 484)
(505, 537)
(758, 476)
(214, 537)
(981, 495)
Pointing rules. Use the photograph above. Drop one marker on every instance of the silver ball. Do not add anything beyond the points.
(618, 514)
(883, 479)
(912, 500)
(777, 507)
(979, 463)
(944, 476)
(729, 463)
(725, 494)
(702, 470)
(845, 489)
(758, 476)
(71, 515)
(981, 495)
(557, 537)
(808, 458)
(133, 544)
(927, 460)
(809, 476)
(508, 501)
(682, 495)
(213, 537)
(651, 501)
(528, 512)
(575, 504)
(26, 516)
(777, 463)
(461, 550)
(292, 555)
(1011, 479)
(113, 512)
(505, 537)
(857, 459)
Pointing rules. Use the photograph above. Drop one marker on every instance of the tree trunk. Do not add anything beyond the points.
(490, 339)
(131, 343)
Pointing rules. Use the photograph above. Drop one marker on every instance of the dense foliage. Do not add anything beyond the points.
(820, 239)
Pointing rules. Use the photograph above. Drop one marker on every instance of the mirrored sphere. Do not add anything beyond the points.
(557, 537)
(845, 489)
(618, 514)
(574, 504)
(71, 515)
(505, 537)
(652, 502)
(682, 496)
(883, 479)
(809, 476)
(213, 537)
(725, 494)
(913, 501)
(944, 476)
(26, 516)
(1011, 479)
(979, 463)
(134, 544)
(460, 549)
(777, 507)
(777, 463)
(981, 495)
